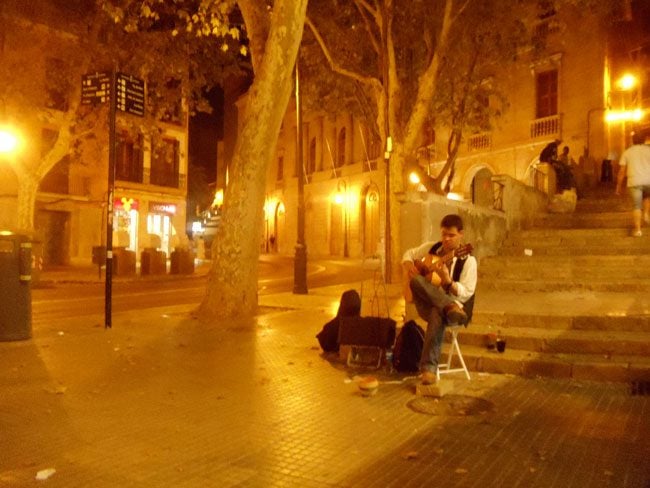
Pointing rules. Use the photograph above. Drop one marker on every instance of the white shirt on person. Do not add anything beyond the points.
(637, 160)
(466, 284)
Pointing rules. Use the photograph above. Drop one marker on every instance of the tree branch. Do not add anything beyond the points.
(367, 7)
(373, 38)
(257, 21)
(367, 80)
(460, 11)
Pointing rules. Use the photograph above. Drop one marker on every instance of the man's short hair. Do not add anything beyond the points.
(452, 220)
(638, 138)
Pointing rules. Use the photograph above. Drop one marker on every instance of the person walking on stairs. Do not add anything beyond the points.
(635, 164)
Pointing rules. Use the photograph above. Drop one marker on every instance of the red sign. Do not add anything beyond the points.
(162, 208)
(125, 203)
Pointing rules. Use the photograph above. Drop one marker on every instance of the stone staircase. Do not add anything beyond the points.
(571, 296)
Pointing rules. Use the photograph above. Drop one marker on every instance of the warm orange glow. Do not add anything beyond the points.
(624, 115)
(414, 178)
(218, 199)
(9, 140)
(626, 82)
(338, 198)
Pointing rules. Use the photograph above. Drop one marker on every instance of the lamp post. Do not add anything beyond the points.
(300, 260)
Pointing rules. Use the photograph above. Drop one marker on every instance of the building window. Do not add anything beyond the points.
(340, 160)
(128, 158)
(164, 164)
(280, 175)
(546, 94)
(311, 162)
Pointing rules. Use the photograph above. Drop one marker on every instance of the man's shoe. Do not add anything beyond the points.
(429, 378)
(455, 314)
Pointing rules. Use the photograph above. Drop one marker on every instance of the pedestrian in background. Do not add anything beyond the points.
(635, 164)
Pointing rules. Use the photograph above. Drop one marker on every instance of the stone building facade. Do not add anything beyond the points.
(568, 93)
(71, 200)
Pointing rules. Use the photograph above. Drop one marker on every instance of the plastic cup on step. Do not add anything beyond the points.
(501, 345)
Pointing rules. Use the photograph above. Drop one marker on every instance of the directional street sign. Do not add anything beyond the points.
(95, 88)
(130, 94)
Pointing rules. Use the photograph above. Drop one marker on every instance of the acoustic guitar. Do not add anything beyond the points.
(430, 263)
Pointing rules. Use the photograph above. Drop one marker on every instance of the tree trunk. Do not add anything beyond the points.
(232, 285)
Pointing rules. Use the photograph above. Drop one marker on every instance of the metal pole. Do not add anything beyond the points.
(344, 204)
(109, 207)
(387, 150)
(300, 261)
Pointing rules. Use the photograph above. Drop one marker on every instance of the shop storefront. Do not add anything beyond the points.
(125, 222)
(160, 222)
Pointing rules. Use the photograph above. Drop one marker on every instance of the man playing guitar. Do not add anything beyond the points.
(437, 289)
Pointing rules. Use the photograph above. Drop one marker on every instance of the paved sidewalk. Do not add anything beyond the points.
(162, 400)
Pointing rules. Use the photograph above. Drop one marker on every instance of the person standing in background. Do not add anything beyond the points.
(635, 164)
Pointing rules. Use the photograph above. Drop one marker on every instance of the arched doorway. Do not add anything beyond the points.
(277, 229)
(482, 193)
(370, 213)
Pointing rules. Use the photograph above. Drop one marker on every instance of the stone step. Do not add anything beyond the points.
(614, 322)
(596, 205)
(577, 269)
(535, 339)
(594, 220)
(598, 367)
(605, 261)
(574, 242)
(616, 248)
(535, 284)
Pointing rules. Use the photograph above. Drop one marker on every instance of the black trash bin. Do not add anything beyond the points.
(15, 283)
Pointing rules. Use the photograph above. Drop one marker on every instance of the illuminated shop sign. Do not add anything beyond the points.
(125, 203)
(162, 208)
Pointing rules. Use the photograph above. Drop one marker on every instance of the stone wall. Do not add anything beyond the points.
(486, 228)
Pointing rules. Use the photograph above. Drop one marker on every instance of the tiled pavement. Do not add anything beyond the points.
(162, 400)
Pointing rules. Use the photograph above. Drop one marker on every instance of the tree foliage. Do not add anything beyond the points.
(66, 39)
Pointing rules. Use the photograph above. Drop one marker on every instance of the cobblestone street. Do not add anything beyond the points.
(161, 400)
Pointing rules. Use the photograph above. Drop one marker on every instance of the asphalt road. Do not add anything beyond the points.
(275, 275)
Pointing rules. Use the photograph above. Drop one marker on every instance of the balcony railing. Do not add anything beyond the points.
(546, 126)
(479, 142)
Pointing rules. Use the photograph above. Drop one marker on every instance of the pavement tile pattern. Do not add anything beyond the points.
(163, 400)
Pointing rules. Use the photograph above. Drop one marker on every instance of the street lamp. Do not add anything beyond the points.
(9, 140)
(625, 83)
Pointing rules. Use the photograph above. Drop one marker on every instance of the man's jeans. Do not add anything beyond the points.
(430, 301)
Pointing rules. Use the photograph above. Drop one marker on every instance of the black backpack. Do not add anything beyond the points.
(349, 306)
(408, 348)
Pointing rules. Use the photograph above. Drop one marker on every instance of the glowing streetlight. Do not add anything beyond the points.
(626, 82)
(9, 140)
(624, 115)
(414, 178)
(218, 199)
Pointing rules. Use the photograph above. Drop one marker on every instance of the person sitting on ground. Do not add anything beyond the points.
(438, 298)
(635, 164)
